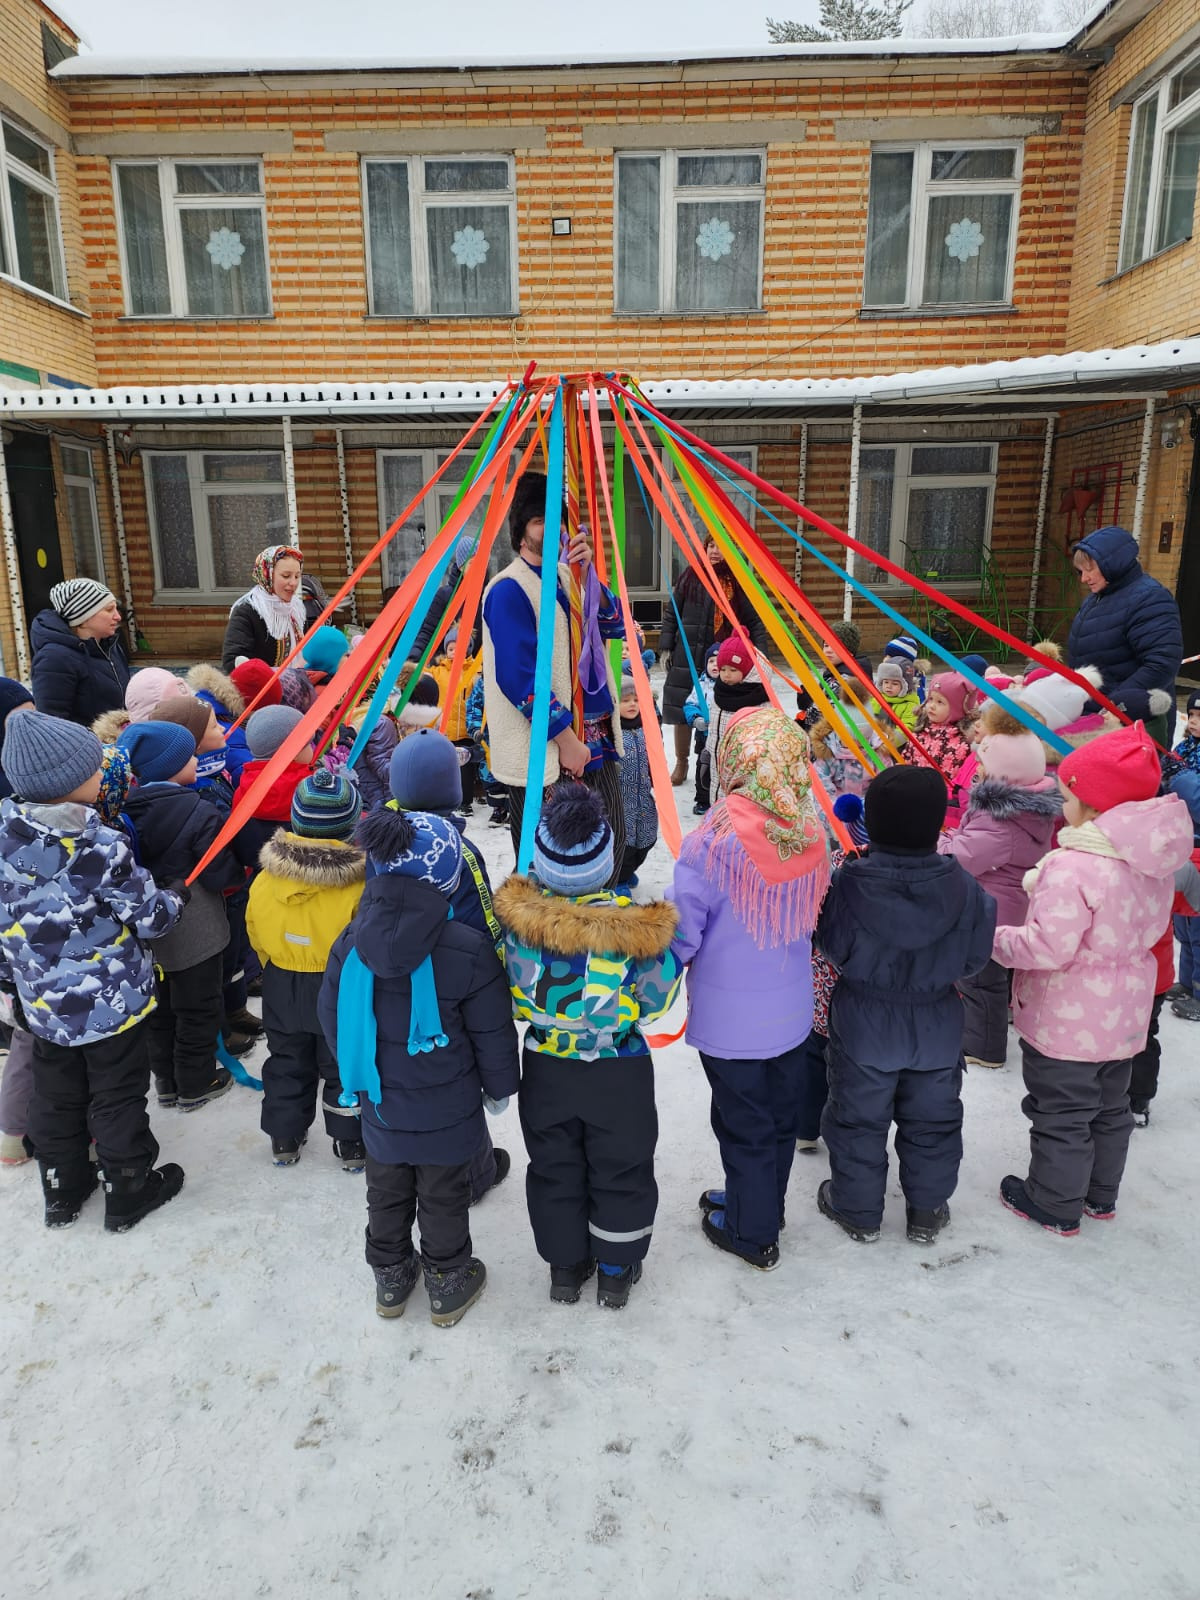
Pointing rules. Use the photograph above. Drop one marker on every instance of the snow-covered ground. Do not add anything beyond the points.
(209, 1406)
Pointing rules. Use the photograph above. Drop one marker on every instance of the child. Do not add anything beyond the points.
(265, 732)
(697, 713)
(893, 687)
(841, 769)
(587, 969)
(1084, 982)
(323, 654)
(422, 708)
(416, 1010)
(77, 909)
(173, 827)
(943, 729)
(904, 650)
(308, 890)
(748, 887)
(1188, 748)
(1009, 825)
(739, 687)
(637, 792)
(903, 926)
(228, 697)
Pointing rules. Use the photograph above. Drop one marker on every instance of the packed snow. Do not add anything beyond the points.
(209, 1406)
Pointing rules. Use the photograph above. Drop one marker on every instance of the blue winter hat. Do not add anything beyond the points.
(326, 805)
(573, 844)
(978, 664)
(156, 750)
(424, 773)
(324, 651)
(268, 727)
(46, 758)
(464, 550)
(902, 645)
(424, 847)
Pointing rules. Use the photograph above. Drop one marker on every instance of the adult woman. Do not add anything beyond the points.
(703, 625)
(79, 665)
(268, 621)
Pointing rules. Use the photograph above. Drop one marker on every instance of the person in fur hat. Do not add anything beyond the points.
(893, 688)
(587, 969)
(1009, 825)
(943, 733)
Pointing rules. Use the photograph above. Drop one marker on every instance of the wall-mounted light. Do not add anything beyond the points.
(1172, 432)
(560, 227)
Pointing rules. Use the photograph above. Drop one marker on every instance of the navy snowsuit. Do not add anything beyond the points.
(1130, 630)
(902, 929)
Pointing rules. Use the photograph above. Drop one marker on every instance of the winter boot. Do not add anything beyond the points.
(221, 1084)
(1014, 1197)
(503, 1168)
(286, 1152)
(614, 1283)
(566, 1283)
(238, 1043)
(243, 1021)
(1177, 991)
(711, 1200)
(808, 1147)
(978, 1061)
(394, 1284)
(65, 1189)
(352, 1153)
(924, 1226)
(1100, 1210)
(763, 1256)
(131, 1193)
(452, 1293)
(1188, 1008)
(1141, 1116)
(859, 1233)
(165, 1092)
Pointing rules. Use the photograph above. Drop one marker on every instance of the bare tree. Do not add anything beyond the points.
(984, 19)
(844, 19)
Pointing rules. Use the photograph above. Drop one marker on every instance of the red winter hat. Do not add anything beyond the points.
(250, 677)
(735, 652)
(1113, 769)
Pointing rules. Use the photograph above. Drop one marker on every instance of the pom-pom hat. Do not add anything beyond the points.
(1113, 770)
(326, 805)
(573, 844)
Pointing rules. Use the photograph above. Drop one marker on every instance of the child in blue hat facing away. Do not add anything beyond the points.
(415, 1007)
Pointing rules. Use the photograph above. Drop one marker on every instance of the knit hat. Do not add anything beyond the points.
(424, 847)
(848, 808)
(904, 645)
(45, 758)
(889, 670)
(424, 773)
(1053, 699)
(904, 808)
(187, 712)
(150, 686)
(1109, 771)
(295, 689)
(12, 695)
(1018, 758)
(268, 728)
(326, 805)
(977, 663)
(848, 635)
(735, 652)
(250, 677)
(324, 651)
(573, 844)
(156, 750)
(1193, 700)
(464, 550)
(955, 691)
(78, 599)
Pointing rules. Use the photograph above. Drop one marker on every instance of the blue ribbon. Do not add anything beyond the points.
(539, 722)
(234, 1067)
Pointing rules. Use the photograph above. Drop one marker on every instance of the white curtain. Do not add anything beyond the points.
(145, 241)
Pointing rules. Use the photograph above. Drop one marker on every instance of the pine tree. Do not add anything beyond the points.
(843, 19)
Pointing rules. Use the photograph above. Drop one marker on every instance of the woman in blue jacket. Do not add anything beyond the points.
(79, 665)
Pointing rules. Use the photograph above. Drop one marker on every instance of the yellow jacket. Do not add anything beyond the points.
(456, 726)
(306, 893)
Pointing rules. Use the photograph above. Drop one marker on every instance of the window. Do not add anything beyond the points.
(402, 473)
(193, 238)
(941, 226)
(210, 515)
(441, 236)
(30, 239)
(689, 231)
(927, 508)
(82, 514)
(650, 547)
(1164, 154)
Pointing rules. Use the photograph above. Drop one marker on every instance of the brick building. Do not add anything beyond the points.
(224, 287)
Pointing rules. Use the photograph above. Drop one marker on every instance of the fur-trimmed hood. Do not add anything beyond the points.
(1005, 801)
(589, 925)
(205, 679)
(315, 863)
(109, 725)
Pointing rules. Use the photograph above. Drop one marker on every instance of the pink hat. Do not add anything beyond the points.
(1018, 758)
(150, 686)
(735, 652)
(956, 692)
(1113, 769)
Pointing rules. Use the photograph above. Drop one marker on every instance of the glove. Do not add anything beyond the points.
(494, 1107)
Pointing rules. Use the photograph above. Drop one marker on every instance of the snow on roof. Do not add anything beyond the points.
(1154, 366)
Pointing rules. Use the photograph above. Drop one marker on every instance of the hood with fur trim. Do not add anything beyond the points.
(314, 863)
(1008, 801)
(109, 725)
(205, 679)
(587, 926)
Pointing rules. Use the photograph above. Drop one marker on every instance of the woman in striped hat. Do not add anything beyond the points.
(80, 669)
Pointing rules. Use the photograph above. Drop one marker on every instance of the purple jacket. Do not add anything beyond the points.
(744, 1004)
(1007, 829)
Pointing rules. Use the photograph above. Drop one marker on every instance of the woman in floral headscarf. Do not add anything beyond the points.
(268, 621)
(748, 888)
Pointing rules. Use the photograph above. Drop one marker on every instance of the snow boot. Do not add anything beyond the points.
(1014, 1197)
(452, 1293)
(65, 1190)
(614, 1283)
(352, 1153)
(711, 1200)
(1188, 1008)
(566, 1283)
(503, 1168)
(924, 1226)
(807, 1147)
(243, 1021)
(131, 1193)
(165, 1092)
(221, 1084)
(238, 1043)
(1100, 1210)
(857, 1231)
(393, 1285)
(286, 1152)
(978, 1061)
(763, 1256)
(1177, 991)
(1141, 1116)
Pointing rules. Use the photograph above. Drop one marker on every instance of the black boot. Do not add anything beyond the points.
(566, 1283)
(131, 1193)
(452, 1293)
(394, 1284)
(614, 1283)
(857, 1231)
(503, 1168)
(286, 1152)
(352, 1153)
(924, 1226)
(165, 1092)
(66, 1189)
(222, 1082)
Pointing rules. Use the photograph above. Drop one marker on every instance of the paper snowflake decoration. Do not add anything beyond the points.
(469, 247)
(226, 248)
(964, 239)
(715, 238)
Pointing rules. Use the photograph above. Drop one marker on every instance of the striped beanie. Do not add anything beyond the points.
(903, 645)
(78, 599)
(326, 805)
(573, 844)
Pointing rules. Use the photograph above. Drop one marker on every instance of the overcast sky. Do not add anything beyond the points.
(399, 28)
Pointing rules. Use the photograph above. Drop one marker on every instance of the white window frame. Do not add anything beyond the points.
(923, 185)
(431, 458)
(206, 591)
(77, 480)
(903, 483)
(172, 204)
(419, 202)
(666, 539)
(1165, 123)
(670, 192)
(12, 165)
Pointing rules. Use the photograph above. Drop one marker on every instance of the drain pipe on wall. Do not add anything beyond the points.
(1139, 500)
(119, 527)
(12, 562)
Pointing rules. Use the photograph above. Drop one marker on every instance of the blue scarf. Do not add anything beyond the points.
(358, 1064)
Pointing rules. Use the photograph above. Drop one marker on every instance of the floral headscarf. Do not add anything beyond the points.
(285, 619)
(265, 562)
(116, 780)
